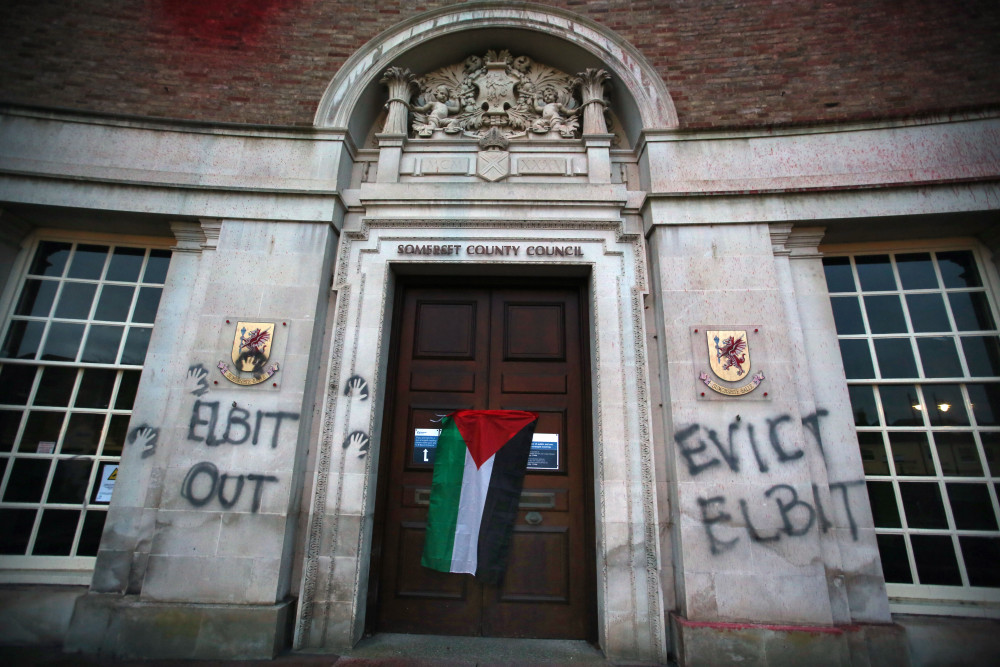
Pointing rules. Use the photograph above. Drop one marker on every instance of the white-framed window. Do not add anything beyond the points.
(71, 352)
(920, 344)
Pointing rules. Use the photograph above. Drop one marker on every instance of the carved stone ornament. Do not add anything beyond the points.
(516, 97)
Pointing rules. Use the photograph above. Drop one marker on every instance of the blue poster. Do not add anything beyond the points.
(425, 442)
(544, 454)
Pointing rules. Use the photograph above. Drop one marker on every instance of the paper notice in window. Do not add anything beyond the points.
(109, 473)
(45, 447)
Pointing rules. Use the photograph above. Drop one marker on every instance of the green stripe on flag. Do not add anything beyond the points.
(446, 489)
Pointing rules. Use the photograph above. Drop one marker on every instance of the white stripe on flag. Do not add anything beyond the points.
(475, 485)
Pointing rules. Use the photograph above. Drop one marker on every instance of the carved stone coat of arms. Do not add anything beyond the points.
(515, 95)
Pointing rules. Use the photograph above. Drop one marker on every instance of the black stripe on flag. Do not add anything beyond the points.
(500, 510)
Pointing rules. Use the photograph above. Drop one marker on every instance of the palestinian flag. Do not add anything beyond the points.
(478, 474)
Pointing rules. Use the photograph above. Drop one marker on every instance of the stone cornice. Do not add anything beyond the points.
(190, 237)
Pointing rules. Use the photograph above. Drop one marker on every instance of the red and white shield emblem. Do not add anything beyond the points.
(728, 354)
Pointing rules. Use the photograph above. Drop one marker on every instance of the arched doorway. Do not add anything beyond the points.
(561, 191)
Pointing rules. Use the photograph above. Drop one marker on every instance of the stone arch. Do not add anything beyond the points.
(558, 37)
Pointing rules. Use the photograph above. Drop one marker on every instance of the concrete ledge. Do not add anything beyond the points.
(36, 615)
(125, 627)
(699, 643)
(953, 641)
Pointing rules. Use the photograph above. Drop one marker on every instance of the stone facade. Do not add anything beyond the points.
(726, 527)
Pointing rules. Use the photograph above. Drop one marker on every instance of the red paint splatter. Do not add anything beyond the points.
(219, 22)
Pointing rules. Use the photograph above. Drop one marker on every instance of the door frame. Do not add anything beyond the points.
(632, 580)
(445, 282)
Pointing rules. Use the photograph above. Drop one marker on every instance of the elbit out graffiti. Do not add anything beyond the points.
(702, 449)
(213, 425)
(237, 426)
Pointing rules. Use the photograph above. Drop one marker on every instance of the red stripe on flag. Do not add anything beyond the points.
(486, 431)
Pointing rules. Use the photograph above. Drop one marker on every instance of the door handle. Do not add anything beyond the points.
(533, 518)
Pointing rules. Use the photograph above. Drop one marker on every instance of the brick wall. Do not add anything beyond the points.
(726, 62)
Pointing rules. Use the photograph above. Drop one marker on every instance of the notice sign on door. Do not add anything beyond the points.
(425, 442)
(544, 454)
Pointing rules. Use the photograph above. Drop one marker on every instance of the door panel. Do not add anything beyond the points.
(490, 348)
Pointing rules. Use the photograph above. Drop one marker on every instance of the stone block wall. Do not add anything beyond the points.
(207, 514)
(771, 521)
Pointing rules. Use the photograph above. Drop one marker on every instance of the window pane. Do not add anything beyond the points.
(958, 269)
(982, 353)
(83, 434)
(115, 302)
(927, 312)
(156, 267)
(857, 359)
(991, 445)
(981, 556)
(114, 441)
(895, 358)
(883, 502)
(135, 346)
(916, 271)
(88, 262)
(56, 533)
(911, 453)
(957, 454)
(23, 339)
(63, 341)
(847, 315)
(931, 450)
(55, 387)
(922, 505)
(41, 432)
(945, 405)
(27, 481)
(96, 387)
(58, 417)
(145, 307)
(17, 525)
(875, 273)
(971, 310)
(838, 274)
(125, 264)
(885, 314)
(15, 383)
(75, 300)
(895, 565)
(10, 421)
(971, 506)
(935, 558)
(90, 536)
(863, 405)
(901, 405)
(939, 357)
(126, 390)
(873, 453)
(69, 482)
(50, 259)
(985, 400)
(37, 298)
(102, 345)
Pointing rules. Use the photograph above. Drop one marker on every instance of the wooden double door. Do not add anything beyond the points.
(489, 347)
